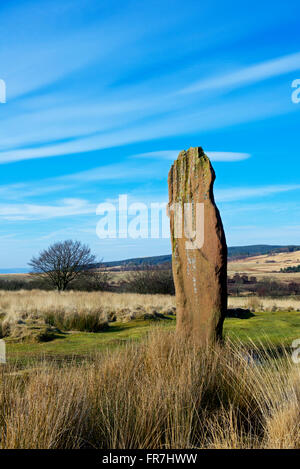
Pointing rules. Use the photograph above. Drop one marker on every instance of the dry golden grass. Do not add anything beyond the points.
(267, 265)
(265, 304)
(38, 302)
(27, 315)
(42, 301)
(35, 316)
(162, 393)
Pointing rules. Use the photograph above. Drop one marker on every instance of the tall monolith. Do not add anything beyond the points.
(199, 250)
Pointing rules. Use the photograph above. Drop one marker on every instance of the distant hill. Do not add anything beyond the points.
(240, 252)
(234, 252)
(154, 260)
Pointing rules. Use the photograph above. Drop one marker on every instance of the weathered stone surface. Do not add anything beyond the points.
(200, 271)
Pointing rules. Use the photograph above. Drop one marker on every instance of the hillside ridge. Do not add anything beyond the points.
(234, 252)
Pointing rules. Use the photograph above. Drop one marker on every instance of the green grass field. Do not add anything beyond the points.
(84, 343)
(277, 328)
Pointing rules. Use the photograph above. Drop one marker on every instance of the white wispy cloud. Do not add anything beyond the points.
(125, 171)
(78, 206)
(218, 115)
(65, 125)
(163, 154)
(171, 155)
(240, 193)
(227, 156)
(63, 47)
(59, 108)
(67, 207)
(213, 155)
(247, 75)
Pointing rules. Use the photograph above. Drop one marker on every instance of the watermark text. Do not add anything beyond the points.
(2, 91)
(137, 220)
(296, 92)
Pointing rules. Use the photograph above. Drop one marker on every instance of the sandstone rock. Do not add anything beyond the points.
(199, 251)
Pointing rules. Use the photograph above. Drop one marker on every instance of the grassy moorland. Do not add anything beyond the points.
(77, 324)
(81, 344)
(277, 328)
(161, 392)
(103, 370)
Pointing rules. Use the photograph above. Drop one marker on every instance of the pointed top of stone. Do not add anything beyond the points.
(197, 151)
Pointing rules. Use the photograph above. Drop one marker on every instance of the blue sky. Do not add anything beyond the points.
(101, 96)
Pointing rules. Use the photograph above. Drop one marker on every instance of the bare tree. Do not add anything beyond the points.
(62, 263)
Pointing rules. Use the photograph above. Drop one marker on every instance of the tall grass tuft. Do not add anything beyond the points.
(161, 393)
(86, 321)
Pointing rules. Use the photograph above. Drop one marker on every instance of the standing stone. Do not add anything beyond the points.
(199, 253)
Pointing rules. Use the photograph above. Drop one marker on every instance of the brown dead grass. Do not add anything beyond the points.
(27, 315)
(38, 302)
(267, 266)
(36, 315)
(162, 393)
(264, 304)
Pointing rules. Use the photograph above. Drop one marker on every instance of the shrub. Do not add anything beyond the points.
(93, 280)
(85, 321)
(290, 269)
(28, 284)
(152, 280)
